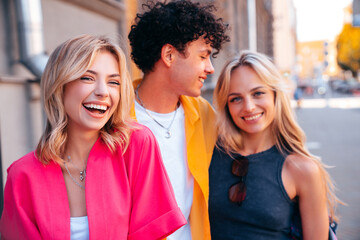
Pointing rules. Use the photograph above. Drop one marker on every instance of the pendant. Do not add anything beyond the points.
(81, 176)
(168, 134)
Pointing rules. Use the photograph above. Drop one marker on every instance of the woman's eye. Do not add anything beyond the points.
(235, 99)
(114, 82)
(257, 94)
(86, 78)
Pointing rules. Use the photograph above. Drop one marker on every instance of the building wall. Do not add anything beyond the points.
(58, 16)
(3, 44)
(236, 15)
(20, 112)
(284, 35)
(333, 69)
(264, 24)
(312, 57)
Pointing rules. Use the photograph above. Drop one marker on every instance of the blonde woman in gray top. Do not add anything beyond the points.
(270, 176)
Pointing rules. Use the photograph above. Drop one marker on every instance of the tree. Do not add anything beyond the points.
(348, 48)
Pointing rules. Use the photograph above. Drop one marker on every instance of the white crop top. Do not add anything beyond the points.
(79, 228)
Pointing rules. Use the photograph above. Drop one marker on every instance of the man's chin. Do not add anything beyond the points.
(195, 94)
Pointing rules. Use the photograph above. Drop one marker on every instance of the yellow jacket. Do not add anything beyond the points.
(201, 136)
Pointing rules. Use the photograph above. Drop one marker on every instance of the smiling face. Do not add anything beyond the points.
(250, 102)
(91, 100)
(190, 71)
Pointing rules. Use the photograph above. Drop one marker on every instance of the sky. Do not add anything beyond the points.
(319, 19)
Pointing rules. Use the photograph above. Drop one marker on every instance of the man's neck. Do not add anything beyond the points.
(156, 94)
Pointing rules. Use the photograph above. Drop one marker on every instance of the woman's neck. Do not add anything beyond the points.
(255, 143)
(79, 146)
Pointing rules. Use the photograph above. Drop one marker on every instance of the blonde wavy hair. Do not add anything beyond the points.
(288, 136)
(69, 62)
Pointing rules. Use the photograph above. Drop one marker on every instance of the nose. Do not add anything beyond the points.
(209, 68)
(249, 105)
(101, 89)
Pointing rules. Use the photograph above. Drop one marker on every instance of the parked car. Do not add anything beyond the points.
(345, 86)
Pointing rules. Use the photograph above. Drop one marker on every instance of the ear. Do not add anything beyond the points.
(167, 54)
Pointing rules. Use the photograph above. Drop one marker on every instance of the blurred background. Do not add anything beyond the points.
(314, 43)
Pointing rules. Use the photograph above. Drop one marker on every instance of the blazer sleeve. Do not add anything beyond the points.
(154, 213)
(17, 220)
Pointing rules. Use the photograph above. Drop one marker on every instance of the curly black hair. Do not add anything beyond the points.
(176, 23)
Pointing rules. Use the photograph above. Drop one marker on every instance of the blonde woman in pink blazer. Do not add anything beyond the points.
(95, 174)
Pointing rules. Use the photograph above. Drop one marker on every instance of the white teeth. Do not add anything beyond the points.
(202, 80)
(252, 117)
(96, 106)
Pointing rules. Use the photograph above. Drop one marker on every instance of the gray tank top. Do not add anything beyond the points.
(266, 212)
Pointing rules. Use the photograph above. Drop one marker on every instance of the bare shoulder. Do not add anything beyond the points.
(301, 165)
(306, 172)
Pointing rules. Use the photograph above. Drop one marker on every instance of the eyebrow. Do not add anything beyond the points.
(114, 75)
(111, 75)
(207, 51)
(252, 90)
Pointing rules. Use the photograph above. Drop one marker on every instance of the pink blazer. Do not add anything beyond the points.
(128, 196)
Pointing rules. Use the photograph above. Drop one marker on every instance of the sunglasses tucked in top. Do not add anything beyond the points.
(237, 191)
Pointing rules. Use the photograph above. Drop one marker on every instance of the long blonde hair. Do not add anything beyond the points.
(68, 62)
(289, 137)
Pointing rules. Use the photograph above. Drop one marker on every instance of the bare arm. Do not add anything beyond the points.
(306, 177)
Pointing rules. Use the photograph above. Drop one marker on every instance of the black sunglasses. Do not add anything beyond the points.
(237, 191)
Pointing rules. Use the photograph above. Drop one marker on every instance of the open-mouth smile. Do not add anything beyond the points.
(253, 117)
(96, 108)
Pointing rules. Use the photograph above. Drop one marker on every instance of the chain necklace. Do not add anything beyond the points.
(72, 178)
(168, 133)
(82, 173)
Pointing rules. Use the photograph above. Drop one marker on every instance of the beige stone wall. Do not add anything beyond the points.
(63, 20)
(264, 21)
(284, 35)
(20, 121)
(3, 51)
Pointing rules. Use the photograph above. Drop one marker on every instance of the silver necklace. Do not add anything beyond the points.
(72, 178)
(168, 133)
(82, 172)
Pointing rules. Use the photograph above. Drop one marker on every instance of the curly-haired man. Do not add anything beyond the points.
(172, 44)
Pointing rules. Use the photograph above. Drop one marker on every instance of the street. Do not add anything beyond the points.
(332, 127)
